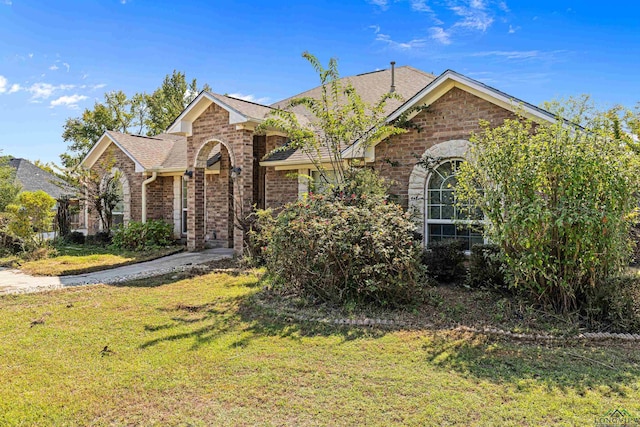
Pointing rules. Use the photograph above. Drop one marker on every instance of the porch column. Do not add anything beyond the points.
(195, 216)
(243, 186)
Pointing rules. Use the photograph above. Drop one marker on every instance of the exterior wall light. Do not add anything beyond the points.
(235, 171)
(187, 175)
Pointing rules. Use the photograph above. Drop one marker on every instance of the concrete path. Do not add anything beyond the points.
(16, 282)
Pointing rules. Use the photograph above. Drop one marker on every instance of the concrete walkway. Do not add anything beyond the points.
(16, 282)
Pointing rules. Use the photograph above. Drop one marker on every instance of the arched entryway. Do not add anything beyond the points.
(221, 189)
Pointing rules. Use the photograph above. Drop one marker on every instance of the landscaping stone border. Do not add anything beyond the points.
(397, 324)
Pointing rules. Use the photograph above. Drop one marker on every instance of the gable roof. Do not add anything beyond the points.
(32, 178)
(240, 111)
(371, 87)
(429, 92)
(146, 152)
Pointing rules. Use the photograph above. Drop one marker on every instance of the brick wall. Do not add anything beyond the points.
(160, 199)
(454, 116)
(114, 157)
(213, 123)
(280, 186)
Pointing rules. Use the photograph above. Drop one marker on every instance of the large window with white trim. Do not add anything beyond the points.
(444, 220)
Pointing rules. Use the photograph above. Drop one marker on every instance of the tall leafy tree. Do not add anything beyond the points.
(168, 101)
(9, 189)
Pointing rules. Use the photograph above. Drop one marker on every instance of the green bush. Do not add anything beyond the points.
(445, 260)
(487, 268)
(101, 238)
(348, 249)
(137, 236)
(558, 200)
(75, 237)
(615, 304)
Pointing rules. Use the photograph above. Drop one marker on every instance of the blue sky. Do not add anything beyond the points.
(59, 57)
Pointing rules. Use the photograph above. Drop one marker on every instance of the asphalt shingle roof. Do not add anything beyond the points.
(32, 178)
(371, 87)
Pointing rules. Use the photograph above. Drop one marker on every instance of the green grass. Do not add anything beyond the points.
(197, 351)
(79, 259)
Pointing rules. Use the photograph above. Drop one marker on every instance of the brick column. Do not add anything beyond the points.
(195, 217)
(243, 185)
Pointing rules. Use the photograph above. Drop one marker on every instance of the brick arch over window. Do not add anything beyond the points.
(126, 192)
(453, 149)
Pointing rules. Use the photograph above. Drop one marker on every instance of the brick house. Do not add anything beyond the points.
(211, 162)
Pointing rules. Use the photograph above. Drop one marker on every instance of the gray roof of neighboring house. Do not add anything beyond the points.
(32, 178)
(371, 87)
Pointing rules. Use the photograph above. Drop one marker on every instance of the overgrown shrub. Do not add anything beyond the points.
(558, 200)
(138, 236)
(487, 268)
(445, 260)
(30, 217)
(75, 237)
(348, 249)
(615, 304)
(101, 238)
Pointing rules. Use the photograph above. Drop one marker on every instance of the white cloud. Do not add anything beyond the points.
(250, 98)
(503, 6)
(440, 35)
(14, 88)
(3, 84)
(411, 44)
(30, 55)
(382, 4)
(45, 90)
(7, 2)
(420, 6)
(54, 67)
(70, 101)
(66, 65)
(511, 54)
(473, 17)
(513, 29)
(98, 86)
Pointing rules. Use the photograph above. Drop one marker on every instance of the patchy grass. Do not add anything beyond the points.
(198, 351)
(79, 259)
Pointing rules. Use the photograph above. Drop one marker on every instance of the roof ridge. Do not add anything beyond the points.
(137, 135)
(240, 99)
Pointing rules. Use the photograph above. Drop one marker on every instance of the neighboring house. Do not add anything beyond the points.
(211, 163)
(32, 178)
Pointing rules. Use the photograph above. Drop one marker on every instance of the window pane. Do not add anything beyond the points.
(434, 212)
(447, 197)
(449, 230)
(447, 212)
(434, 197)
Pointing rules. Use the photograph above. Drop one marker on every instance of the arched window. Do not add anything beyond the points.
(443, 219)
(118, 211)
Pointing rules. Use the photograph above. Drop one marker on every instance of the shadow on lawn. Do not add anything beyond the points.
(238, 320)
(240, 315)
(576, 366)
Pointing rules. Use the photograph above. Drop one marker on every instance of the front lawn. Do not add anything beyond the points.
(199, 351)
(79, 259)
